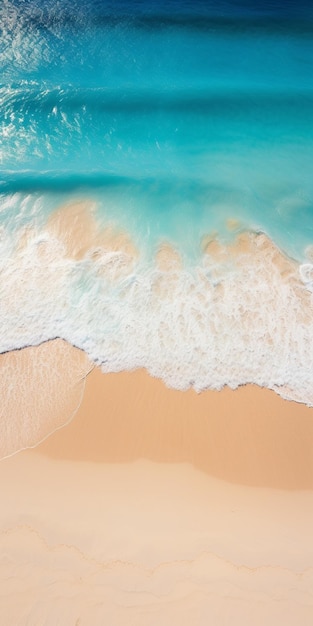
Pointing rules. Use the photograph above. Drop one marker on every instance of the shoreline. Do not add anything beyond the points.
(248, 436)
(157, 506)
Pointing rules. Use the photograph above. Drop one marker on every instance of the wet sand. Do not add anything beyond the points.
(249, 436)
(156, 507)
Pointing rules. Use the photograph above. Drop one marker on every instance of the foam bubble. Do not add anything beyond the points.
(306, 274)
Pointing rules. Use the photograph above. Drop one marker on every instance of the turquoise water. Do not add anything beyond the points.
(172, 118)
(196, 111)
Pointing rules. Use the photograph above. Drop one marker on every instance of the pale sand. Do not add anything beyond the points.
(156, 507)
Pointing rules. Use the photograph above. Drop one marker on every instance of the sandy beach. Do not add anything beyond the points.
(156, 313)
(154, 507)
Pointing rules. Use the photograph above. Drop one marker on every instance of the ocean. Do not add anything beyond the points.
(156, 187)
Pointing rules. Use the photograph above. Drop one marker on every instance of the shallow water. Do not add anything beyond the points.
(197, 111)
(171, 122)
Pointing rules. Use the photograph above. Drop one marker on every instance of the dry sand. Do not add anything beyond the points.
(155, 507)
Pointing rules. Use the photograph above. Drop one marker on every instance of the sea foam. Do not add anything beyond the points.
(240, 313)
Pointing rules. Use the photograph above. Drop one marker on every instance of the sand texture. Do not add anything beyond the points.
(155, 507)
(41, 388)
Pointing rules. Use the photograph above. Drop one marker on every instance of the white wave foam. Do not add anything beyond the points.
(306, 274)
(241, 315)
